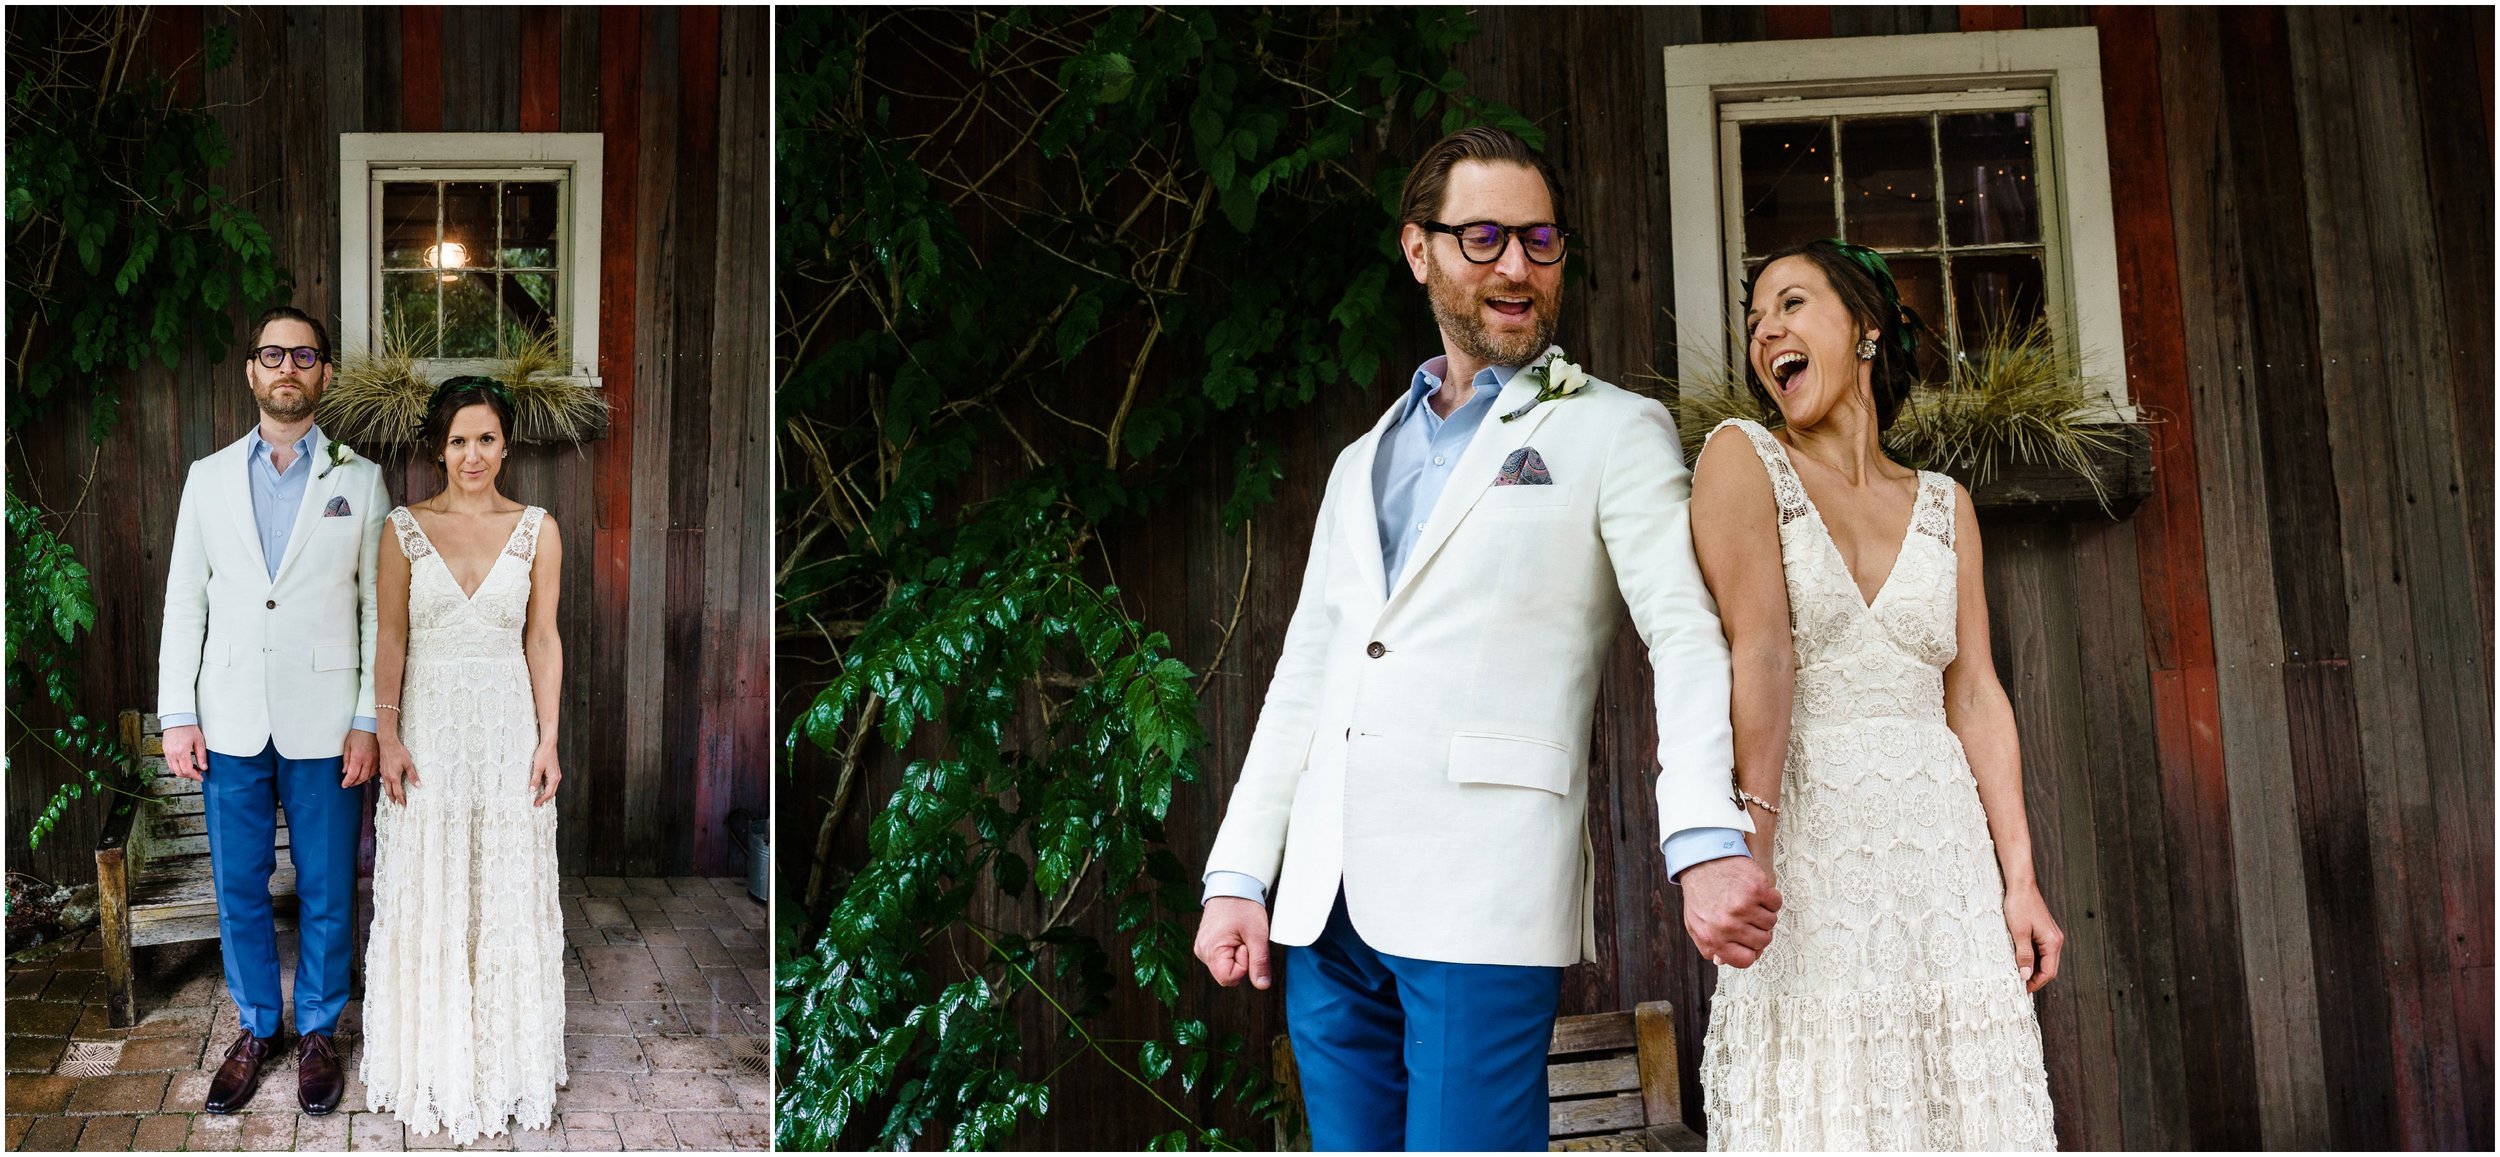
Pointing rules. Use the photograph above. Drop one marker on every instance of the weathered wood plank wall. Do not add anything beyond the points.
(664, 715)
(2256, 714)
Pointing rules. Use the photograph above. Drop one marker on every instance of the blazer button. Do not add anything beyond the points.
(1375, 650)
(273, 605)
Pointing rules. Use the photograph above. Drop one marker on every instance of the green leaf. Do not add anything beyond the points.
(1154, 1058)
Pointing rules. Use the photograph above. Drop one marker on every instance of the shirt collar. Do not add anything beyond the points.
(1427, 380)
(303, 446)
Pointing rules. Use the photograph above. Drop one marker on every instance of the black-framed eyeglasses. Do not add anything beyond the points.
(1483, 242)
(271, 357)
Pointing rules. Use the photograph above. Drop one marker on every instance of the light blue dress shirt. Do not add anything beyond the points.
(1417, 453)
(276, 497)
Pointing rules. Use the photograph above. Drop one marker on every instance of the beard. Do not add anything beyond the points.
(285, 409)
(1460, 312)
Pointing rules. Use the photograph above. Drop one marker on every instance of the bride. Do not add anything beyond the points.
(1875, 750)
(464, 1003)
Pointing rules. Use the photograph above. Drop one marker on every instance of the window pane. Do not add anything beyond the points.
(529, 225)
(407, 223)
(1788, 184)
(1989, 181)
(408, 310)
(1922, 289)
(469, 223)
(1890, 165)
(469, 315)
(1996, 295)
(529, 306)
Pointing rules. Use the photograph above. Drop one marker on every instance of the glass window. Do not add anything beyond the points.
(470, 268)
(1951, 196)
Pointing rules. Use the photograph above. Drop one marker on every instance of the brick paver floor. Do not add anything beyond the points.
(667, 994)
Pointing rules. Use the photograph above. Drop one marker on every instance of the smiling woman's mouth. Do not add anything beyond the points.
(1786, 367)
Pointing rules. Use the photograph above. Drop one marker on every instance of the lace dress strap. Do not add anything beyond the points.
(1786, 488)
(413, 544)
(524, 544)
(1933, 514)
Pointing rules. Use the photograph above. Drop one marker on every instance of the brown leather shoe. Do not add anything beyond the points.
(232, 1087)
(318, 1079)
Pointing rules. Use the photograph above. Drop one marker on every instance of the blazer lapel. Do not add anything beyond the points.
(317, 492)
(1493, 442)
(1358, 519)
(239, 474)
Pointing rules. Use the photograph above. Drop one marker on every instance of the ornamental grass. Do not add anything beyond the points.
(2015, 398)
(380, 396)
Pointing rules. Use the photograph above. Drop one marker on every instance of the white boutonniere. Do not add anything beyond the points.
(340, 455)
(1556, 378)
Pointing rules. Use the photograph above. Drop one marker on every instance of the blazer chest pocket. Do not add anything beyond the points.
(1514, 760)
(334, 657)
(1543, 500)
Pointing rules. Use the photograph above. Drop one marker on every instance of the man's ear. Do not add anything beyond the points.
(1411, 241)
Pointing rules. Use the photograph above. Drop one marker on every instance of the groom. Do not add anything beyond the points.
(1415, 794)
(265, 690)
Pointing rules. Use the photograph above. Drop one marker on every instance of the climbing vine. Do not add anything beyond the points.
(1043, 269)
(120, 248)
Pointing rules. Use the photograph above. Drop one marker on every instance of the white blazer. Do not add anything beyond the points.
(257, 659)
(1429, 748)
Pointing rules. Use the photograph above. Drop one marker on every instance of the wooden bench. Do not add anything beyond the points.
(151, 868)
(1610, 1077)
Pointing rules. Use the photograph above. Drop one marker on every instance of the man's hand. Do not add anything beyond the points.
(361, 759)
(1729, 909)
(1232, 940)
(186, 752)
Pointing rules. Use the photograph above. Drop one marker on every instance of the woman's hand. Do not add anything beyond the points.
(2037, 940)
(399, 770)
(544, 775)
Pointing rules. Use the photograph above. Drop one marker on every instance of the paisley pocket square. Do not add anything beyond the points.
(337, 508)
(1524, 467)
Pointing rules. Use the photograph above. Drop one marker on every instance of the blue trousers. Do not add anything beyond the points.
(1405, 1054)
(242, 795)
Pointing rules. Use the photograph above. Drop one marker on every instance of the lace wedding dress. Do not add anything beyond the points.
(464, 981)
(1887, 1013)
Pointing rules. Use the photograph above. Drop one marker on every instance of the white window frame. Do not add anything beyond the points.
(1865, 74)
(573, 159)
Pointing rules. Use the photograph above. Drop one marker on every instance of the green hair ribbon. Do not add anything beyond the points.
(1905, 320)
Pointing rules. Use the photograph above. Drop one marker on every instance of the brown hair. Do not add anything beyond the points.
(321, 333)
(1429, 181)
(1896, 369)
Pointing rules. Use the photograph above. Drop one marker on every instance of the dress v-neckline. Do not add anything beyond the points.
(468, 595)
(1909, 532)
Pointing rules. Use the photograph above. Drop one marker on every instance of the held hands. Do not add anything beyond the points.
(399, 772)
(2037, 940)
(360, 759)
(1730, 907)
(1232, 940)
(186, 752)
(544, 775)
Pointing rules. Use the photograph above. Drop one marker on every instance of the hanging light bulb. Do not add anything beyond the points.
(448, 255)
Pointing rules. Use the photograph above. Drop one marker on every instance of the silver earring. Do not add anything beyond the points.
(1866, 349)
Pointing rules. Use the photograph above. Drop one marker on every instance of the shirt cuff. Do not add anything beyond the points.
(1239, 885)
(1701, 845)
(365, 724)
(178, 719)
